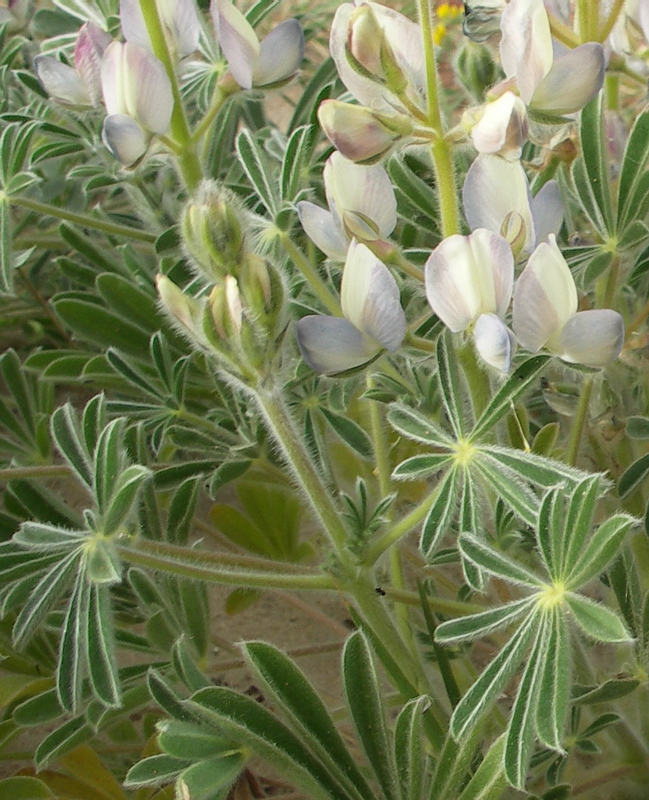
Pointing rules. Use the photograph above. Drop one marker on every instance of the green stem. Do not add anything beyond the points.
(580, 422)
(611, 282)
(284, 431)
(82, 219)
(609, 22)
(226, 87)
(562, 32)
(222, 568)
(452, 608)
(188, 161)
(400, 528)
(49, 471)
(432, 89)
(320, 288)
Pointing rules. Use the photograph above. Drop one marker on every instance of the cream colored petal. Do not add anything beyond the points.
(493, 188)
(545, 297)
(366, 190)
(369, 297)
(526, 44)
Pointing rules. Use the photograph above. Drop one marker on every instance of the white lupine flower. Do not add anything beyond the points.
(351, 190)
(373, 318)
(274, 60)
(547, 83)
(545, 313)
(79, 85)
(502, 127)
(402, 38)
(469, 282)
(179, 18)
(495, 187)
(138, 98)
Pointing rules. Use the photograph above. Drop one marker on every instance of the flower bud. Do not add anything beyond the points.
(181, 308)
(370, 53)
(514, 230)
(212, 231)
(361, 134)
(476, 68)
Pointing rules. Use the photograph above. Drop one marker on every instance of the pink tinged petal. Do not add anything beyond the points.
(124, 138)
(148, 89)
(593, 338)
(366, 190)
(369, 297)
(502, 128)
(573, 81)
(238, 41)
(545, 297)
(526, 44)
(332, 344)
(493, 188)
(61, 81)
(280, 55)
(495, 343)
(547, 211)
(469, 275)
(112, 79)
(88, 53)
(319, 226)
(355, 131)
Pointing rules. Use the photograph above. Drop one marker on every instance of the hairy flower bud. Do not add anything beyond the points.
(212, 231)
(476, 68)
(369, 51)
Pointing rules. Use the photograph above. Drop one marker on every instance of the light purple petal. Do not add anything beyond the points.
(495, 343)
(319, 226)
(88, 52)
(332, 344)
(545, 297)
(237, 39)
(370, 298)
(280, 54)
(526, 44)
(61, 81)
(493, 188)
(133, 26)
(181, 17)
(547, 211)
(573, 81)
(355, 131)
(593, 338)
(147, 88)
(124, 138)
(362, 189)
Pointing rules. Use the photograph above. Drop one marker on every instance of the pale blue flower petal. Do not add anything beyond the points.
(593, 338)
(495, 343)
(332, 344)
(547, 211)
(280, 54)
(320, 227)
(573, 81)
(124, 138)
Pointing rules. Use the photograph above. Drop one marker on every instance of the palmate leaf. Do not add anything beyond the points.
(600, 550)
(410, 758)
(450, 385)
(416, 426)
(538, 470)
(555, 684)
(597, 621)
(509, 486)
(466, 629)
(442, 512)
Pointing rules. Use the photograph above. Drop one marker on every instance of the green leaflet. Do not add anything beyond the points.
(597, 621)
(466, 629)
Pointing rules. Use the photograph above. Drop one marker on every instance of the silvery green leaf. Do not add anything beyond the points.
(582, 501)
(442, 512)
(363, 695)
(65, 432)
(633, 476)
(601, 548)
(632, 188)
(538, 470)
(488, 782)
(71, 667)
(597, 621)
(555, 684)
(450, 384)
(417, 467)
(416, 426)
(496, 563)
(509, 485)
(466, 629)
(409, 753)
(254, 162)
(100, 644)
(124, 495)
(109, 462)
(520, 733)
(492, 681)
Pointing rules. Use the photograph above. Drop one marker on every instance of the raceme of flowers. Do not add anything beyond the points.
(133, 83)
(469, 279)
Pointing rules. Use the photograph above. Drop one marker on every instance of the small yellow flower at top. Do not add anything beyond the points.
(448, 11)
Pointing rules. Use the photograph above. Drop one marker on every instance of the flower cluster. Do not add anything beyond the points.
(469, 279)
(135, 85)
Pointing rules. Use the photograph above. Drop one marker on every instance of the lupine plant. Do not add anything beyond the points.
(324, 300)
